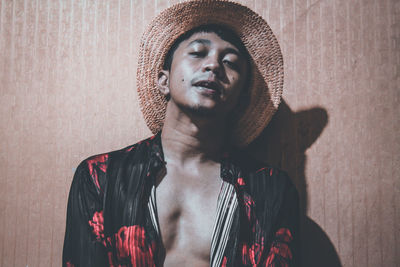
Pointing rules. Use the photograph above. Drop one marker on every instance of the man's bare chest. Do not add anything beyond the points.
(186, 214)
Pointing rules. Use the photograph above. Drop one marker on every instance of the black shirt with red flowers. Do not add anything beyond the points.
(112, 213)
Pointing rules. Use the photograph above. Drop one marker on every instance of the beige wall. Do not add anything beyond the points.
(67, 77)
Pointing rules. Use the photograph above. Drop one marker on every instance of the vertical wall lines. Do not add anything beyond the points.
(296, 132)
(12, 63)
(365, 189)
(378, 156)
(96, 43)
(36, 35)
(55, 231)
(352, 151)
(2, 47)
(334, 123)
(131, 28)
(2, 80)
(83, 42)
(294, 16)
(321, 63)
(107, 29)
(42, 255)
(59, 38)
(281, 21)
(21, 248)
(366, 22)
(2, 21)
(394, 37)
(119, 36)
(12, 184)
(393, 129)
(379, 178)
(71, 32)
(23, 69)
(143, 16)
(33, 186)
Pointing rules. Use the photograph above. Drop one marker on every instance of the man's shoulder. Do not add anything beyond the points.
(260, 174)
(254, 166)
(100, 162)
(95, 169)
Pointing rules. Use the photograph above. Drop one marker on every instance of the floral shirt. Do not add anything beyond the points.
(112, 215)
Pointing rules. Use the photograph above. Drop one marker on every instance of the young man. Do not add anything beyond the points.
(184, 197)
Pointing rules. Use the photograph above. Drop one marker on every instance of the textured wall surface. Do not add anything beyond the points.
(67, 77)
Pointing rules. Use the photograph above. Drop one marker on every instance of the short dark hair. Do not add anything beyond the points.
(223, 32)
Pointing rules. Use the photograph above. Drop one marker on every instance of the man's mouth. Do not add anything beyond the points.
(210, 85)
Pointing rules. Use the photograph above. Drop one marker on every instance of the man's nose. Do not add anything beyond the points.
(212, 64)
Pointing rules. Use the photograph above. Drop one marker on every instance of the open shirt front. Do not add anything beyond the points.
(112, 212)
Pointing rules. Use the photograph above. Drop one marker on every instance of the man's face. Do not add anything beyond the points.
(207, 75)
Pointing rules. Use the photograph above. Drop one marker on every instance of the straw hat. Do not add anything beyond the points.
(266, 61)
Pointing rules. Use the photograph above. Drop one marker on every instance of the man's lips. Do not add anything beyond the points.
(209, 84)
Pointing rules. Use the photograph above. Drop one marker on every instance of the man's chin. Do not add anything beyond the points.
(200, 111)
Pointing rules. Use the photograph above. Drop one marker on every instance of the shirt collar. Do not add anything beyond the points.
(229, 170)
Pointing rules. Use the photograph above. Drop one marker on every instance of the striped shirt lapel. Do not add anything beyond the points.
(226, 207)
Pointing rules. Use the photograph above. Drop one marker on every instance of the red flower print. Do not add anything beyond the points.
(282, 249)
(69, 264)
(252, 253)
(262, 169)
(255, 251)
(97, 162)
(270, 260)
(130, 148)
(249, 206)
(274, 261)
(240, 181)
(271, 170)
(284, 234)
(224, 262)
(280, 252)
(97, 224)
(130, 243)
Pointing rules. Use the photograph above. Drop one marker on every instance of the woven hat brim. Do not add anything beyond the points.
(256, 35)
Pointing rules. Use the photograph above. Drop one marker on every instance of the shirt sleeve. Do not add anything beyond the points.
(83, 244)
(284, 249)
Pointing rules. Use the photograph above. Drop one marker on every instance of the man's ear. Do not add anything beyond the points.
(163, 83)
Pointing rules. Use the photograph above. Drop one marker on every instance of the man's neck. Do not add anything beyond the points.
(187, 141)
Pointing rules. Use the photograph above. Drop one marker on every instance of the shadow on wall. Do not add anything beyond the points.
(286, 138)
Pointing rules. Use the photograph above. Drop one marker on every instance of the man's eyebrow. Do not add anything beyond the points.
(234, 51)
(201, 41)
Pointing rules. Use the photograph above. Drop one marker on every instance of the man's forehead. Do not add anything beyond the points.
(209, 39)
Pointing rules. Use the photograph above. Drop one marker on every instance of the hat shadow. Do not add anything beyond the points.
(283, 144)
